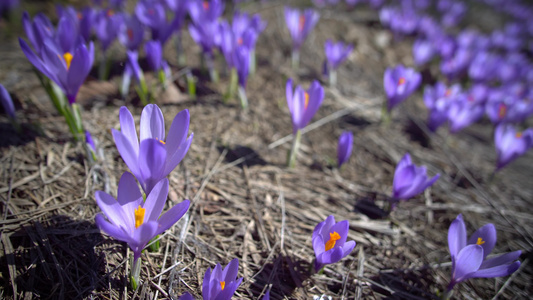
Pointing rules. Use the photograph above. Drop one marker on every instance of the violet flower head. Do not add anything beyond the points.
(153, 15)
(303, 105)
(221, 284)
(153, 157)
(241, 61)
(38, 30)
(300, 24)
(410, 180)
(423, 51)
(67, 68)
(131, 32)
(469, 255)
(400, 83)
(154, 55)
(463, 112)
(438, 99)
(511, 143)
(329, 242)
(344, 149)
(7, 102)
(89, 140)
(336, 53)
(186, 296)
(131, 219)
(106, 27)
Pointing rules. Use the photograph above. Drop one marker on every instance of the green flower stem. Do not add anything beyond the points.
(295, 59)
(332, 78)
(385, 114)
(179, 49)
(163, 79)
(154, 244)
(291, 161)
(448, 295)
(142, 91)
(135, 273)
(243, 97)
(191, 85)
(233, 82)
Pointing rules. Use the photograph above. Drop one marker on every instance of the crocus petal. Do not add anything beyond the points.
(152, 158)
(347, 248)
(319, 246)
(231, 270)
(127, 151)
(155, 202)
(178, 155)
(487, 234)
(456, 236)
(497, 271)
(142, 235)
(468, 261)
(173, 215)
(111, 230)
(152, 123)
(504, 259)
(205, 284)
(112, 209)
(36, 62)
(186, 296)
(341, 228)
(331, 256)
(127, 127)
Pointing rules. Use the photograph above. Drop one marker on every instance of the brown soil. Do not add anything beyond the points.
(245, 203)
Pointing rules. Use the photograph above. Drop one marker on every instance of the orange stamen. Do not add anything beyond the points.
(502, 110)
(301, 23)
(480, 241)
(401, 81)
(206, 5)
(239, 41)
(110, 12)
(518, 135)
(306, 97)
(79, 15)
(222, 284)
(129, 32)
(333, 237)
(448, 92)
(139, 216)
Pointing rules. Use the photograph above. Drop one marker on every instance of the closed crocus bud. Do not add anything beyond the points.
(410, 180)
(344, 150)
(400, 83)
(511, 143)
(7, 102)
(300, 24)
(303, 105)
(469, 255)
(329, 242)
(221, 284)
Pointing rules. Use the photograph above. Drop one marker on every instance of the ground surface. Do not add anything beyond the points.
(245, 203)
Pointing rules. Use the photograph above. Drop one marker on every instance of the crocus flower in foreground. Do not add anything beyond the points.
(7, 102)
(221, 284)
(410, 180)
(134, 221)
(154, 157)
(344, 150)
(400, 83)
(329, 242)
(511, 143)
(469, 255)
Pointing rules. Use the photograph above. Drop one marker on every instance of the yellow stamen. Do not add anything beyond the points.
(502, 111)
(518, 135)
(306, 95)
(333, 237)
(301, 23)
(401, 81)
(68, 59)
(139, 216)
(161, 141)
(480, 241)
(222, 284)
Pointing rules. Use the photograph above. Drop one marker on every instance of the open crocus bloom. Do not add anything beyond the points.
(399, 83)
(329, 242)
(303, 105)
(154, 156)
(300, 24)
(469, 255)
(221, 284)
(132, 220)
(511, 143)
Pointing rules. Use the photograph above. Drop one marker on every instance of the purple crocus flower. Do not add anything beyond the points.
(463, 112)
(131, 219)
(7, 102)
(241, 61)
(511, 144)
(221, 284)
(469, 256)
(400, 83)
(154, 55)
(438, 99)
(106, 27)
(410, 180)
(266, 296)
(202, 10)
(423, 51)
(154, 157)
(68, 69)
(153, 15)
(303, 105)
(186, 296)
(336, 53)
(38, 30)
(329, 242)
(131, 32)
(89, 140)
(300, 24)
(483, 66)
(344, 149)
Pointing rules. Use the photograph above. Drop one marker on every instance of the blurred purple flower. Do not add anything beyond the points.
(303, 105)
(329, 242)
(457, 64)
(153, 15)
(7, 102)
(344, 148)
(221, 284)
(483, 66)
(7, 5)
(438, 99)
(241, 60)
(205, 11)
(300, 24)
(511, 144)
(132, 220)
(38, 30)
(131, 32)
(186, 296)
(410, 180)
(336, 53)
(453, 14)
(400, 83)
(89, 140)
(469, 255)
(106, 27)
(463, 112)
(154, 157)
(154, 55)
(423, 51)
